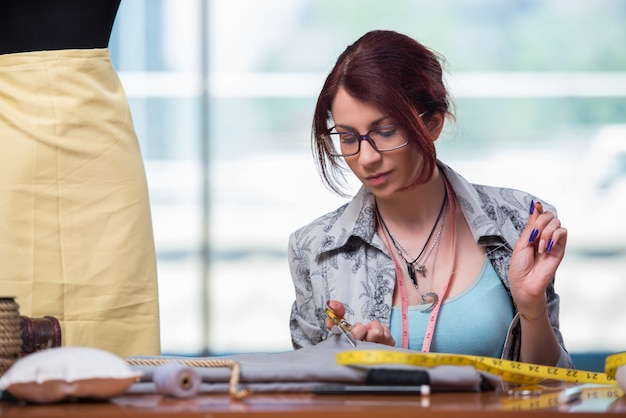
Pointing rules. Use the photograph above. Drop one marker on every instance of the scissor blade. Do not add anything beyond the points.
(349, 337)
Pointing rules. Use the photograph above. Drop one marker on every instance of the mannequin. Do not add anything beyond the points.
(36, 25)
(76, 239)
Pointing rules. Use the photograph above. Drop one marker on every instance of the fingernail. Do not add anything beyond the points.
(550, 244)
(541, 247)
(533, 235)
(532, 207)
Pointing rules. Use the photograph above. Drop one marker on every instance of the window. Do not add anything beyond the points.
(536, 111)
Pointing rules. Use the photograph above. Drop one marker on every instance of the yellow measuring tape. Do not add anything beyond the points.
(509, 371)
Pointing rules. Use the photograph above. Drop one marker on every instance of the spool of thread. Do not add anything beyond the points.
(177, 380)
(10, 339)
(39, 333)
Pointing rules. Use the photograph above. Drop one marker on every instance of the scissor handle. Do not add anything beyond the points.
(340, 322)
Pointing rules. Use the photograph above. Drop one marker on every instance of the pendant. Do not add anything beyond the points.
(421, 269)
(411, 271)
(429, 301)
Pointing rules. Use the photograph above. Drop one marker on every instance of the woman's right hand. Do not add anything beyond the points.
(372, 332)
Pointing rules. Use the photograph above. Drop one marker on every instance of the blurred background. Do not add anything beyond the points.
(222, 95)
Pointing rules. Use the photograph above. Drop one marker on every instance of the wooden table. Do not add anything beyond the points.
(462, 405)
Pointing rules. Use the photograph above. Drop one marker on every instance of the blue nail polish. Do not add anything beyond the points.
(550, 244)
(533, 235)
(532, 207)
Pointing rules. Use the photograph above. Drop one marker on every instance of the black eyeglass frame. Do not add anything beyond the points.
(366, 137)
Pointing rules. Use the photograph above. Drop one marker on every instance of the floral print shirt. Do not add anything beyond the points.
(340, 256)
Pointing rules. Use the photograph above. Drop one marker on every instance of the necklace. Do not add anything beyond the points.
(421, 268)
(430, 299)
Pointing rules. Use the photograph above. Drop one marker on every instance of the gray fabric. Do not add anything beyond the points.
(301, 370)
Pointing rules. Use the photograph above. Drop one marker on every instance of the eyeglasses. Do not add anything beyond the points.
(382, 139)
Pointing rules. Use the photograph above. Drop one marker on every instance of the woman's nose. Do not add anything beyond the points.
(368, 154)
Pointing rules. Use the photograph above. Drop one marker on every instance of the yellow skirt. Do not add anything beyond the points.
(76, 238)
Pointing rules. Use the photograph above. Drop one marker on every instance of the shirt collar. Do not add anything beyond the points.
(358, 216)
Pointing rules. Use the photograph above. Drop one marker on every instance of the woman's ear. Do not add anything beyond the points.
(434, 122)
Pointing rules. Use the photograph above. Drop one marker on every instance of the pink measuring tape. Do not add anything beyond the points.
(432, 320)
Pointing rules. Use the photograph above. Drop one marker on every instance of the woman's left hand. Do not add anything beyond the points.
(536, 257)
(374, 332)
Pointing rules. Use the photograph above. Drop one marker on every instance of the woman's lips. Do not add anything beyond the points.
(377, 179)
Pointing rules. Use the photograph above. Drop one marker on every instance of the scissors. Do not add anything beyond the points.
(344, 326)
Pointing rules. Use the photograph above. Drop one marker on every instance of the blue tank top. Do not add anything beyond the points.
(474, 322)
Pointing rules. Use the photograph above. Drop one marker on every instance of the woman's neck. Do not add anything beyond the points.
(414, 209)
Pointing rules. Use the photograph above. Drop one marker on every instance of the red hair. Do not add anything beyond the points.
(397, 75)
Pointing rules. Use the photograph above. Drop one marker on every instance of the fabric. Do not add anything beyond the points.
(340, 256)
(76, 237)
(467, 325)
(303, 370)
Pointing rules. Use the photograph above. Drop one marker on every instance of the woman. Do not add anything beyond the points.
(76, 236)
(419, 258)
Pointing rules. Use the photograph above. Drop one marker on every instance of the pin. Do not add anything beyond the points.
(570, 394)
(523, 393)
